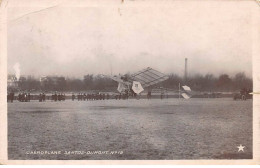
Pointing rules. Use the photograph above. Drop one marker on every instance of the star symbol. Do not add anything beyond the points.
(240, 148)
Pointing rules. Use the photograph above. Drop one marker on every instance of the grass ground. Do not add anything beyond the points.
(137, 129)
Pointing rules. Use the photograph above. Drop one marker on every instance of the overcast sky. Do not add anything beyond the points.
(214, 36)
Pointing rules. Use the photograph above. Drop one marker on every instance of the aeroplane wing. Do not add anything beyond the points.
(185, 96)
(148, 77)
(117, 79)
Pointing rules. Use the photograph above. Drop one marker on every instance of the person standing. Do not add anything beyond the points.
(161, 95)
(87, 96)
(84, 96)
(149, 95)
(59, 97)
(52, 97)
(64, 97)
(25, 97)
(55, 96)
(29, 97)
(73, 96)
(43, 97)
(40, 97)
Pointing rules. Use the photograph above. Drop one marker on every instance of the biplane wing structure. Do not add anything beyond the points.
(116, 79)
(148, 77)
(119, 80)
(140, 80)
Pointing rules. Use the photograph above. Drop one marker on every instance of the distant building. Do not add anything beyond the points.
(43, 80)
(12, 81)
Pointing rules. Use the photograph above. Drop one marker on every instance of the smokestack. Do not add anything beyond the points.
(186, 71)
(17, 70)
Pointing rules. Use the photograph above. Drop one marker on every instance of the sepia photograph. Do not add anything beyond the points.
(130, 80)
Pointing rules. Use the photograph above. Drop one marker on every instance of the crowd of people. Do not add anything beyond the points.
(21, 97)
(55, 96)
(121, 96)
(100, 96)
(84, 96)
(24, 97)
(42, 97)
(10, 97)
(58, 97)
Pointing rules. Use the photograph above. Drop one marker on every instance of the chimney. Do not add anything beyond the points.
(186, 71)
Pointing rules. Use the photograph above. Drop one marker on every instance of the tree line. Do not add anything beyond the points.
(198, 82)
(211, 83)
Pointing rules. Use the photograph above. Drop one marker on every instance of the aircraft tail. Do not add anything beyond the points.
(186, 92)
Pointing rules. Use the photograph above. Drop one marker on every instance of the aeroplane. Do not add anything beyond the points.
(146, 78)
(138, 81)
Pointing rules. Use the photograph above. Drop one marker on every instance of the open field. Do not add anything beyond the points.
(141, 129)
